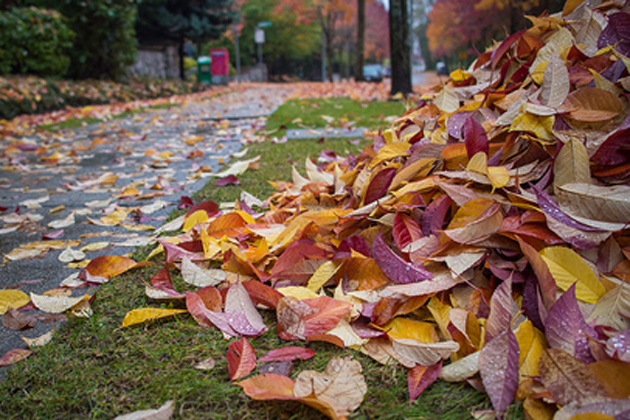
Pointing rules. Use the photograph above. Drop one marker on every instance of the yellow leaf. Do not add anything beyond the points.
(12, 299)
(409, 329)
(389, 152)
(540, 126)
(200, 216)
(478, 163)
(440, 312)
(531, 342)
(567, 267)
(166, 155)
(129, 191)
(460, 75)
(498, 176)
(322, 275)
(138, 316)
(298, 292)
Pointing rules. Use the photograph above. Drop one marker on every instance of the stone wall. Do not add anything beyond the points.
(160, 62)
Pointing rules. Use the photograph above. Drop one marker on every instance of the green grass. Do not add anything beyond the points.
(298, 113)
(74, 123)
(93, 370)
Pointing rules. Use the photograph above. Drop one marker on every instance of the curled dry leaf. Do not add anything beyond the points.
(341, 385)
(56, 304)
(14, 356)
(164, 412)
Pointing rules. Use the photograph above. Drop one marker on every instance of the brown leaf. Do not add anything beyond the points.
(568, 379)
(16, 320)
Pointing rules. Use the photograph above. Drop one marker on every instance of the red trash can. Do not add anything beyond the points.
(220, 66)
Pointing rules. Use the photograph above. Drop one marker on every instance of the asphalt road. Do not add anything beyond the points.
(160, 153)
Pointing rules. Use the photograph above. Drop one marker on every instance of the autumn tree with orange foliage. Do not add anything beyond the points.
(462, 27)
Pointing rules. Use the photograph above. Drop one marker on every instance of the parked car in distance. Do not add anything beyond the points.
(373, 73)
(442, 69)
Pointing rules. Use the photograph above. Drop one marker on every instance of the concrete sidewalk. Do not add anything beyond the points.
(146, 161)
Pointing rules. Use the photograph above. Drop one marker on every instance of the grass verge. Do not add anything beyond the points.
(332, 112)
(94, 370)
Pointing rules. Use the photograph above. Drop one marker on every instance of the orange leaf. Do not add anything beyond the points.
(109, 266)
(268, 386)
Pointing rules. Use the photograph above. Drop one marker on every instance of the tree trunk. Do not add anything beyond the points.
(360, 47)
(182, 70)
(329, 56)
(399, 47)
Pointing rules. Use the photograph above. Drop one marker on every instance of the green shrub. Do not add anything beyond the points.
(106, 38)
(34, 41)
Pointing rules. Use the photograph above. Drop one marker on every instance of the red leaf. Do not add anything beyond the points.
(209, 207)
(379, 184)
(301, 319)
(475, 137)
(162, 281)
(406, 230)
(420, 377)
(285, 354)
(185, 202)
(500, 51)
(241, 359)
(262, 294)
(228, 180)
(394, 267)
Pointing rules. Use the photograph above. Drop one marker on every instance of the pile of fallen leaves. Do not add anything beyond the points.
(33, 95)
(487, 228)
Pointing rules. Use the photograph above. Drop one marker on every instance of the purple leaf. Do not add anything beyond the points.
(551, 209)
(614, 150)
(619, 346)
(498, 365)
(357, 243)
(455, 124)
(566, 328)
(206, 317)
(503, 309)
(379, 185)
(433, 217)
(241, 312)
(475, 137)
(227, 180)
(394, 267)
(616, 33)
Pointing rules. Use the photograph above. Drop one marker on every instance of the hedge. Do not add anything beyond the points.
(34, 95)
(34, 41)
